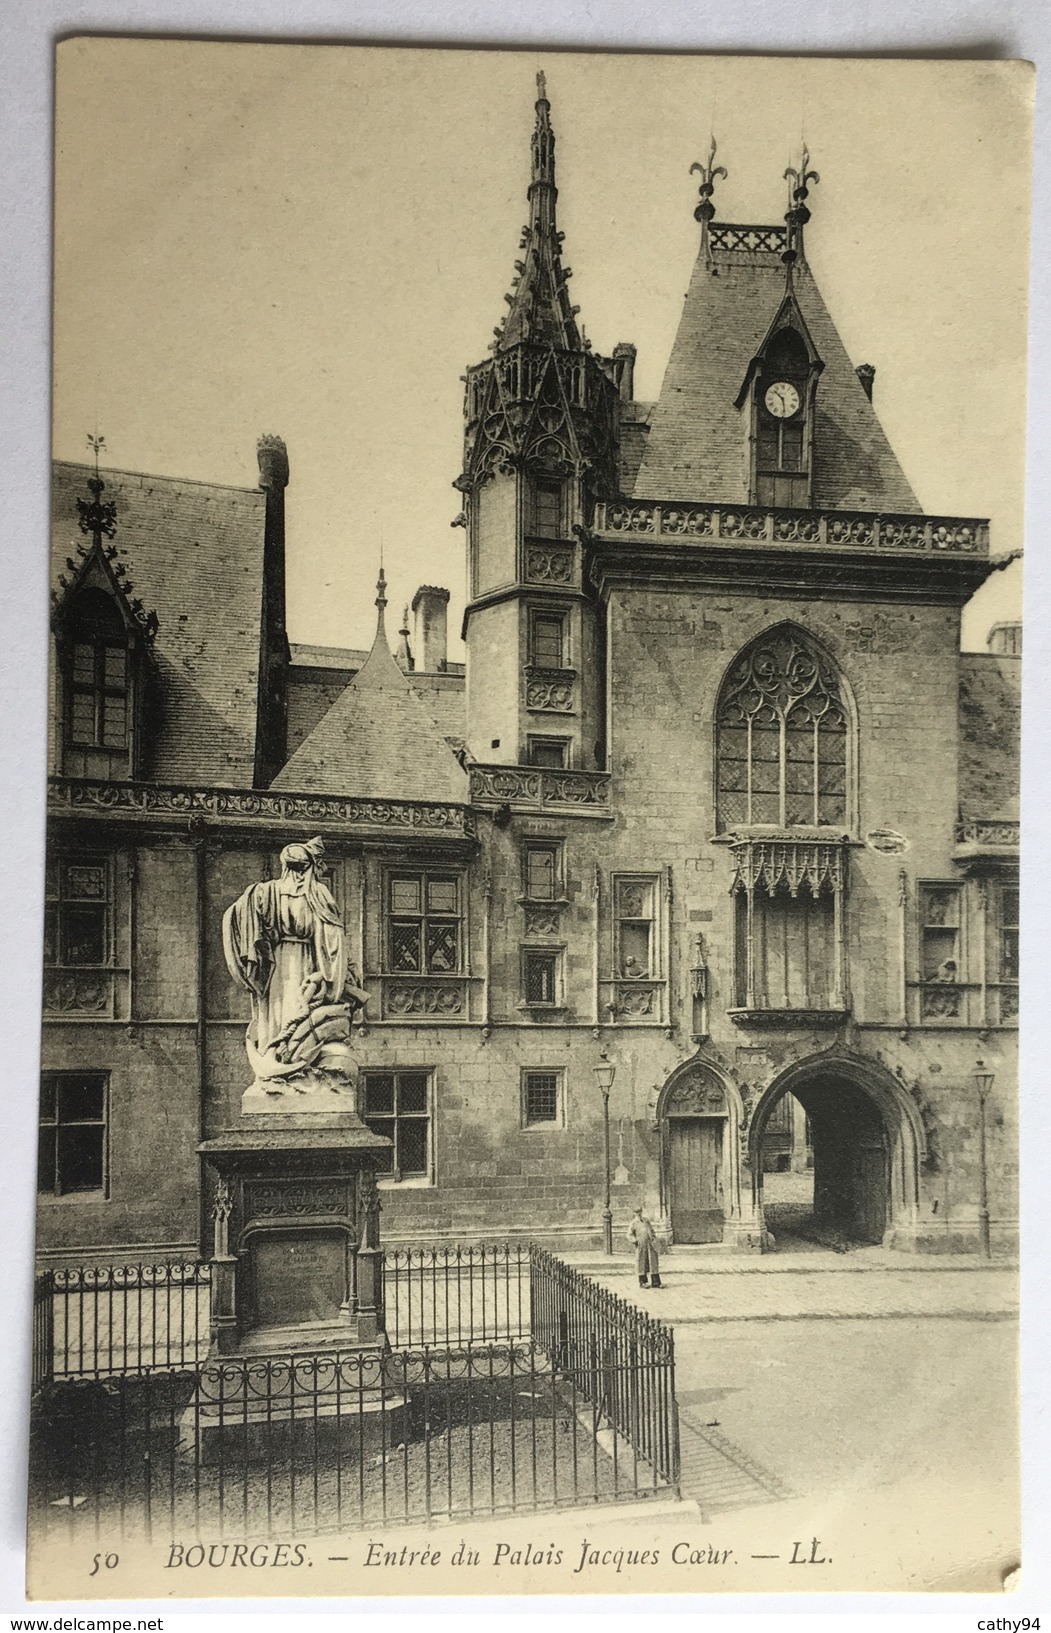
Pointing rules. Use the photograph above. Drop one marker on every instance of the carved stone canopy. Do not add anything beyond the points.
(698, 1094)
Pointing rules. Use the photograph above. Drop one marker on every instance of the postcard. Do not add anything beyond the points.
(529, 1089)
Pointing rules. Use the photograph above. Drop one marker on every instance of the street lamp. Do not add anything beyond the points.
(983, 1082)
(605, 1072)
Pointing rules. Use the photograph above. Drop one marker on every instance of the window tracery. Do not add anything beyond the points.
(781, 738)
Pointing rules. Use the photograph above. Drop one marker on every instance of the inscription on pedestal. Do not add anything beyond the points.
(298, 1276)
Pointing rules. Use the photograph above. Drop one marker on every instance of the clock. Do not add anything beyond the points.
(782, 400)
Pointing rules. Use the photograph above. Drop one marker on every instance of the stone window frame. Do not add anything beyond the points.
(655, 881)
(529, 1084)
(556, 846)
(542, 738)
(54, 1081)
(943, 1000)
(60, 901)
(536, 657)
(424, 918)
(554, 957)
(540, 516)
(828, 670)
(415, 1179)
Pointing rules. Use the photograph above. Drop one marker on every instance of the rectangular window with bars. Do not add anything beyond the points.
(398, 1106)
(547, 640)
(540, 977)
(73, 1125)
(547, 509)
(634, 928)
(424, 924)
(542, 1099)
(77, 912)
(542, 871)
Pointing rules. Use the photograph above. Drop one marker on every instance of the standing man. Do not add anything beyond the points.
(643, 1238)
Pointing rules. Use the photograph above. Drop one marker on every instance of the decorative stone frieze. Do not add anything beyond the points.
(235, 805)
(938, 535)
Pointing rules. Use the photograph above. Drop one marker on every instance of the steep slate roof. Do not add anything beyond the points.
(378, 741)
(990, 750)
(698, 443)
(194, 551)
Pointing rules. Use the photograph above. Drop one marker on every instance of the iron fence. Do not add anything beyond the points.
(617, 1356)
(327, 1442)
(93, 1320)
(510, 1382)
(455, 1294)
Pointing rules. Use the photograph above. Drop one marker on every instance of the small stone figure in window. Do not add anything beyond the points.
(946, 972)
(643, 1239)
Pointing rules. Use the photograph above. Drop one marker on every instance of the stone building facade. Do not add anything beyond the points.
(716, 801)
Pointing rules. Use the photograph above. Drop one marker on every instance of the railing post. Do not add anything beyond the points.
(370, 1260)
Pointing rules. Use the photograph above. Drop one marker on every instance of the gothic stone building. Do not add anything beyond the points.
(716, 800)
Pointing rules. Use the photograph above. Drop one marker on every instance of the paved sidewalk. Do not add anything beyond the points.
(699, 1288)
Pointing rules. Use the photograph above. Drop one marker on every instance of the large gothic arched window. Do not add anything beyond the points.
(781, 737)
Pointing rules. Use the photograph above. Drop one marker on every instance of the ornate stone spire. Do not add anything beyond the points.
(381, 603)
(539, 309)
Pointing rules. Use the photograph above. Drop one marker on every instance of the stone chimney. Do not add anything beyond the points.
(866, 373)
(271, 738)
(624, 355)
(430, 645)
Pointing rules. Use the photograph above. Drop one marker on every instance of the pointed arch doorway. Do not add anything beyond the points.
(700, 1183)
(867, 1145)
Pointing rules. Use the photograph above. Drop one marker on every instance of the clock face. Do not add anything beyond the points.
(782, 400)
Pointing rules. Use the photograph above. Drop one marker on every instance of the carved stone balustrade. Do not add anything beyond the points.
(981, 839)
(816, 529)
(535, 788)
(238, 807)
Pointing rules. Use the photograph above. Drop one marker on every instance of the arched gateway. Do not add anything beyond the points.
(867, 1141)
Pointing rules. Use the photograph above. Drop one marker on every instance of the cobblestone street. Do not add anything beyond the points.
(821, 1285)
(846, 1396)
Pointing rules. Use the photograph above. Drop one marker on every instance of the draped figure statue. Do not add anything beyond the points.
(284, 941)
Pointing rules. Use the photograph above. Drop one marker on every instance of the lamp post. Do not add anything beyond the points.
(983, 1082)
(605, 1072)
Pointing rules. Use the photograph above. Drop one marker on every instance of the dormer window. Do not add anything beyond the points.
(97, 709)
(782, 414)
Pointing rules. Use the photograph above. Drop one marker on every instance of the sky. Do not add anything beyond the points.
(316, 241)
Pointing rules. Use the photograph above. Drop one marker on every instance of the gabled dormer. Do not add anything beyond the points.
(760, 403)
(103, 646)
(777, 402)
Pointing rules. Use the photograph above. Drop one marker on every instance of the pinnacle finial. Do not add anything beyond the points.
(708, 172)
(96, 443)
(541, 86)
(381, 594)
(797, 215)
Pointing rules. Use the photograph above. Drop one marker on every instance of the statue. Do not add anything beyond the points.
(284, 941)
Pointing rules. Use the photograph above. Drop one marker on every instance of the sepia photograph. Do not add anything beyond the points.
(529, 1066)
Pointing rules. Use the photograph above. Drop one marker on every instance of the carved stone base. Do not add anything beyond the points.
(312, 1092)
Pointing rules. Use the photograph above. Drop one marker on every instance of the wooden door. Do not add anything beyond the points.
(695, 1153)
(870, 1186)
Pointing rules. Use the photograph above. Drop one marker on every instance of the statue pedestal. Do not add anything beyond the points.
(296, 1262)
